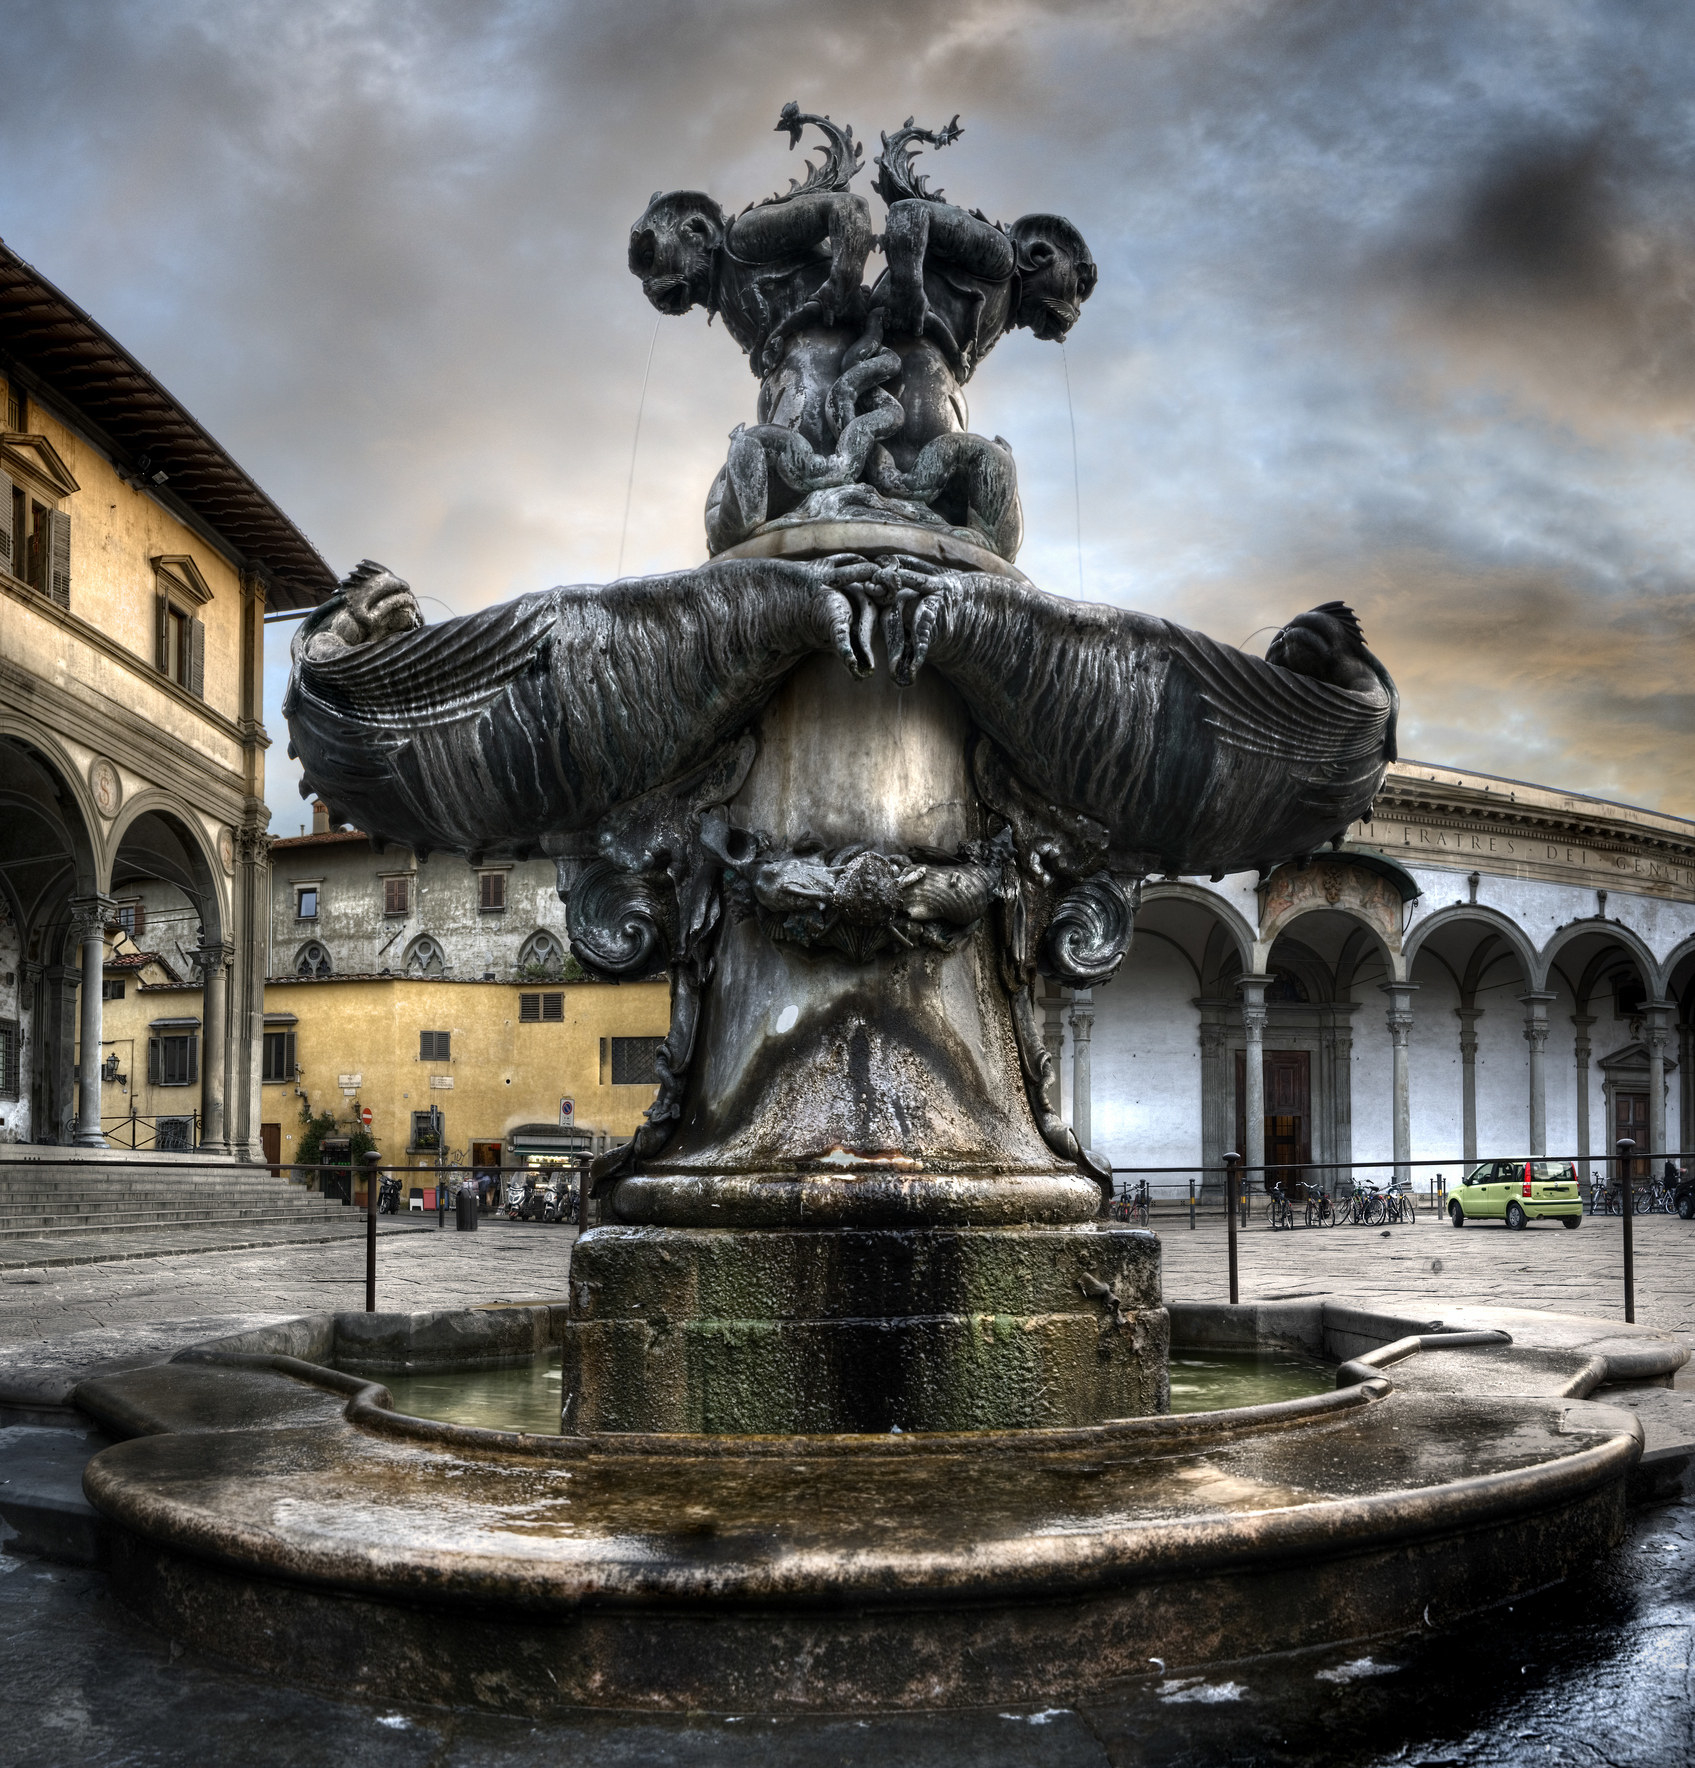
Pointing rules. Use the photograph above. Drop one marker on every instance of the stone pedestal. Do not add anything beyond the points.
(864, 1330)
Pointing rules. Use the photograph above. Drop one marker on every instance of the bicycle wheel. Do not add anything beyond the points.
(1376, 1213)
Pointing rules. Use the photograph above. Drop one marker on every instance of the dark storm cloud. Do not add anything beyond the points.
(1396, 302)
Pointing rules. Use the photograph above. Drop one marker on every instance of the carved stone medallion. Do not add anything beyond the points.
(105, 786)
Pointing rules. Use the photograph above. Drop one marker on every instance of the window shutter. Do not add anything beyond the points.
(5, 521)
(288, 1057)
(59, 569)
(197, 658)
(162, 635)
(193, 1058)
(529, 1009)
(153, 1062)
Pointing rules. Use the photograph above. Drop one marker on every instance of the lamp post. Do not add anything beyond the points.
(1231, 1162)
(1627, 1147)
(371, 1158)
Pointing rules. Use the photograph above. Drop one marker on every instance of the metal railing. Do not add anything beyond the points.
(180, 1135)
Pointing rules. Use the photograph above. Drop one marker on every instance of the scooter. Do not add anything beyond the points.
(388, 1195)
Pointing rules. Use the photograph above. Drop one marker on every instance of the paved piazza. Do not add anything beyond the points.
(1422, 1267)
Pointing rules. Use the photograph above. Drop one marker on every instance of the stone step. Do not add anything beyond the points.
(50, 1236)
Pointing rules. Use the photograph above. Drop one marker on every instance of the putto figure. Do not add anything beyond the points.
(861, 414)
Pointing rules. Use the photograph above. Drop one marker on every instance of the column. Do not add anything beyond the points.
(1536, 1035)
(1053, 1041)
(214, 1045)
(1656, 1034)
(1082, 1027)
(1580, 1055)
(56, 1045)
(1399, 1020)
(1253, 1077)
(252, 931)
(1468, 1018)
(88, 923)
(1217, 1129)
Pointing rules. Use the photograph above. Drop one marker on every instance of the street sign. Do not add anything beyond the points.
(365, 1115)
(567, 1113)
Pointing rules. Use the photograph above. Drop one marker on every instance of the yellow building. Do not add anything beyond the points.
(137, 561)
(485, 1073)
(493, 1069)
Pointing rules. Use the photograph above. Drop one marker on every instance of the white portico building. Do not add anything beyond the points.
(1485, 968)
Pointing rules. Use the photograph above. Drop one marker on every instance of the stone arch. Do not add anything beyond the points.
(50, 847)
(155, 837)
(1533, 966)
(1652, 972)
(1234, 924)
(1681, 953)
(425, 956)
(542, 955)
(1393, 961)
(312, 961)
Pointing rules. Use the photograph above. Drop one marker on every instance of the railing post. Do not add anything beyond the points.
(1191, 1203)
(371, 1160)
(1627, 1147)
(1231, 1162)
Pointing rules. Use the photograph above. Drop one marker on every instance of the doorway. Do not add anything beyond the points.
(270, 1140)
(1288, 1112)
(1630, 1118)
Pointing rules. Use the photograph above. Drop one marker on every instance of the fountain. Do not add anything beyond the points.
(863, 1402)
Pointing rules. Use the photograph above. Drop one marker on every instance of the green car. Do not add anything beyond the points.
(1517, 1192)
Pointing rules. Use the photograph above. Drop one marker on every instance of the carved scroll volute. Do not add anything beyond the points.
(621, 925)
(1089, 934)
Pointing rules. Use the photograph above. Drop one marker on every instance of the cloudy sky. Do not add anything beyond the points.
(1397, 302)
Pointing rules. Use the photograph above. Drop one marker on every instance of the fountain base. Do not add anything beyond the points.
(862, 1330)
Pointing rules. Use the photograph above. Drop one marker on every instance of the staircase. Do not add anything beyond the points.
(69, 1195)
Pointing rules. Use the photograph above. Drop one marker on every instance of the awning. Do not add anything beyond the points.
(551, 1142)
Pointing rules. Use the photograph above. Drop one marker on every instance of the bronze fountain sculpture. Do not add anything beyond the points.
(865, 1406)
(854, 783)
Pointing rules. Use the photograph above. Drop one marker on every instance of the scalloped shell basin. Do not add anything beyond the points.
(272, 1507)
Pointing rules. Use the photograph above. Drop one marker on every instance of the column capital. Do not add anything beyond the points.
(1254, 1015)
(1538, 999)
(1398, 1016)
(213, 958)
(91, 915)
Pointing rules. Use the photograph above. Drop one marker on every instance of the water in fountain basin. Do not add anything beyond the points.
(1209, 1380)
(525, 1396)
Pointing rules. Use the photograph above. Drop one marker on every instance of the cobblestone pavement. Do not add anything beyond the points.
(47, 1251)
(1429, 1262)
(416, 1270)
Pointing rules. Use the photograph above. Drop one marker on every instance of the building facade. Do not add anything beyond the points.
(1486, 968)
(442, 997)
(137, 562)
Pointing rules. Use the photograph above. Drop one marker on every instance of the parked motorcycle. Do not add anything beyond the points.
(388, 1195)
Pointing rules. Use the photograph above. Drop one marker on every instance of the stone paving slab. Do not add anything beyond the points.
(1545, 1267)
(50, 1252)
(416, 1271)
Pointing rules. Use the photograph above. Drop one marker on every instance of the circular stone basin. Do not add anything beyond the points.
(280, 1511)
(525, 1397)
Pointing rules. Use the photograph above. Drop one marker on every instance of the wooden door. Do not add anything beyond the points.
(270, 1140)
(1288, 1113)
(1630, 1118)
